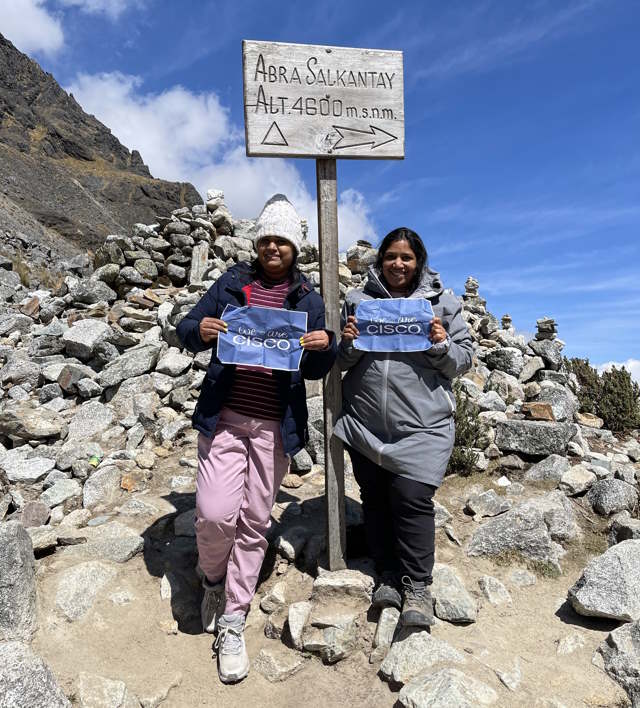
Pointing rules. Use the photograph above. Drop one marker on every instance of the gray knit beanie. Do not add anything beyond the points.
(279, 218)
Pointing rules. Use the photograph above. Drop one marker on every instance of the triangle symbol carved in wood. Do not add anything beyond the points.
(274, 136)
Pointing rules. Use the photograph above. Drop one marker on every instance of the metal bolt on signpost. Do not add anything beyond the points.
(325, 103)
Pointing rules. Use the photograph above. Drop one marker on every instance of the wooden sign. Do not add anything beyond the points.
(324, 102)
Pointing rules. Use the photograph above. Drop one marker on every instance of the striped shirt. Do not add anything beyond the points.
(254, 392)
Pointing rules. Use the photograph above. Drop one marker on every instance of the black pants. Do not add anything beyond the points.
(399, 519)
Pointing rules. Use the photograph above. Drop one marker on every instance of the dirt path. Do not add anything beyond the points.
(150, 643)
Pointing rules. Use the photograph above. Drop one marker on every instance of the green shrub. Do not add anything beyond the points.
(470, 433)
(589, 391)
(613, 396)
(619, 403)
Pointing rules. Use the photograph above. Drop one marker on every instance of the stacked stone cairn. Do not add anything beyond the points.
(96, 449)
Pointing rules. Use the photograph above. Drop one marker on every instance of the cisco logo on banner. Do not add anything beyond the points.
(283, 345)
(394, 328)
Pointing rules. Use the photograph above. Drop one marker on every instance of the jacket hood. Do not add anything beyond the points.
(430, 284)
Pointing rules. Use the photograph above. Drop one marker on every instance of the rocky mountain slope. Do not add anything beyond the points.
(65, 171)
(538, 548)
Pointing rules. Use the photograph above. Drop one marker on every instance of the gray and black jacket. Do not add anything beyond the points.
(398, 407)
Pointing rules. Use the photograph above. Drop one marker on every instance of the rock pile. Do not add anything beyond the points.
(95, 401)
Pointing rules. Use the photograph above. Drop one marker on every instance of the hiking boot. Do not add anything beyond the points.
(386, 593)
(212, 605)
(417, 604)
(233, 660)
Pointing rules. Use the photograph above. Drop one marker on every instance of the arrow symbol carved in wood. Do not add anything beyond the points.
(355, 137)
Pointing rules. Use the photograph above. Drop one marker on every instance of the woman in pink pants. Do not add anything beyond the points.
(251, 421)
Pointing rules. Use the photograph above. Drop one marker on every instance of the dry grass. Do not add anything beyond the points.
(513, 558)
(47, 278)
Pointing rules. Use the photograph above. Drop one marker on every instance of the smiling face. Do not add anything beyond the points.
(275, 255)
(399, 265)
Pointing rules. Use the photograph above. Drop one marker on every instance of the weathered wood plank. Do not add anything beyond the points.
(318, 101)
(332, 387)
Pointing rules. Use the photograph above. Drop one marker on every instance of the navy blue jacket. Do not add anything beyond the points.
(227, 290)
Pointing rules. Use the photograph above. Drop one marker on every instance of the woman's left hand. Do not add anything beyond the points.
(438, 333)
(315, 341)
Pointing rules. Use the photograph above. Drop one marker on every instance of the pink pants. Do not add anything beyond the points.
(240, 471)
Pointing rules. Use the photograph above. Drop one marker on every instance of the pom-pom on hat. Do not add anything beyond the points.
(279, 218)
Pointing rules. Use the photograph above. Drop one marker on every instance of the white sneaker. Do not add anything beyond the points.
(233, 660)
(212, 605)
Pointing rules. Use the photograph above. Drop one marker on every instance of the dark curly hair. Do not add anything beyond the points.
(416, 245)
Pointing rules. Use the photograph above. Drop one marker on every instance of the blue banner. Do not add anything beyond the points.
(393, 325)
(267, 337)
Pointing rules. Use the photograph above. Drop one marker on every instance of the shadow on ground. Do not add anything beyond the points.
(176, 556)
(565, 613)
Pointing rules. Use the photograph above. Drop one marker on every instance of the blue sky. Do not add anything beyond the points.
(522, 121)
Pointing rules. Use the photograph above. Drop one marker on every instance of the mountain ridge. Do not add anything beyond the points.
(65, 169)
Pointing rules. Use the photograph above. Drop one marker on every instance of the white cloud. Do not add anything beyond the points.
(631, 365)
(31, 27)
(111, 8)
(189, 136)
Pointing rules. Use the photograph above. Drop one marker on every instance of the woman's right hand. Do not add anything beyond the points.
(210, 327)
(350, 331)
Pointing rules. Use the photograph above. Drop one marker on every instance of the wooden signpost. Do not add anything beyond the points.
(325, 103)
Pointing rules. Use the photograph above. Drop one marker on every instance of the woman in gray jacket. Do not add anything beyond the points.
(398, 426)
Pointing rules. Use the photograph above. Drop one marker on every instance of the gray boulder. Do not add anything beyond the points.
(71, 373)
(620, 654)
(576, 480)
(134, 362)
(522, 530)
(608, 586)
(91, 291)
(506, 359)
(562, 401)
(531, 368)
(92, 418)
(27, 470)
(623, 528)
(20, 371)
(339, 584)
(487, 503)
(549, 350)
(112, 541)
(550, 469)
(277, 663)
(494, 590)
(93, 691)
(14, 322)
(332, 631)
(385, 630)
(452, 601)
(444, 689)
(17, 584)
(102, 487)
(173, 363)
(82, 338)
(59, 492)
(26, 421)
(360, 256)
(79, 587)
(610, 495)
(533, 437)
(506, 386)
(413, 652)
(74, 450)
(491, 401)
(26, 681)
(558, 515)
